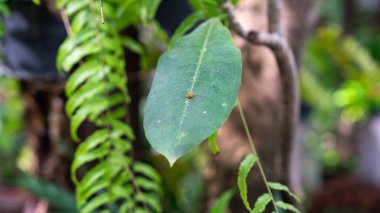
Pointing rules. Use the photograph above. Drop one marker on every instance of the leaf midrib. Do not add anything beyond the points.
(195, 77)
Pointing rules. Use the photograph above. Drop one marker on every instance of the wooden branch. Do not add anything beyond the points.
(288, 74)
(274, 15)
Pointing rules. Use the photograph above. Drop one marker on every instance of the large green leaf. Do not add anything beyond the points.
(194, 90)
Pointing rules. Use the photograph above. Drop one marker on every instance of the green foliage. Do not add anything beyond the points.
(213, 144)
(183, 109)
(37, 2)
(210, 8)
(333, 61)
(244, 169)
(194, 90)
(286, 206)
(314, 93)
(190, 192)
(221, 204)
(97, 93)
(57, 197)
(4, 11)
(185, 26)
(280, 187)
(261, 203)
(11, 124)
(339, 81)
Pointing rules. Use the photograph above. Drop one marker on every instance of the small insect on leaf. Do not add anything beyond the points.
(189, 95)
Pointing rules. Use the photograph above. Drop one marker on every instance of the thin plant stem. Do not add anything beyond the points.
(250, 140)
(101, 11)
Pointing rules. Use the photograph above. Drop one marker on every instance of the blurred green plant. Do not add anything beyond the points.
(4, 11)
(58, 198)
(11, 125)
(339, 81)
(15, 154)
(340, 76)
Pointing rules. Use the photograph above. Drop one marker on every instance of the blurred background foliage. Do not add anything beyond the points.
(16, 155)
(11, 127)
(340, 77)
(340, 87)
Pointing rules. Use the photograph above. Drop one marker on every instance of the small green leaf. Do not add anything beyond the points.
(222, 202)
(193, 91)
(148, 184)
(84, 195)
(120, 191)
(244, 169)
(89, 179)
(152, 7)
(79, 21)
(213, 144)
(185, 26)
(79, 53)
(235, 2)
(94, 140)
(75, 123)
(150, 199)
(37, 2)
(211, 8)
(132, 44)
(261, 203)
(279, 186)
(123, 145)
(122, 128)
(82, 159)
(87, 70)
(4, 10)
(286, 206)
(70, 43)
(83, 94)
(74, 7)
(146, 170)
(131, 9)
(62, 3)
(95, 202)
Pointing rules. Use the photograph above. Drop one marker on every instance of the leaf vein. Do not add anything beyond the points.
(197, 70)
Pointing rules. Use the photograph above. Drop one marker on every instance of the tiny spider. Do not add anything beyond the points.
(189, 95)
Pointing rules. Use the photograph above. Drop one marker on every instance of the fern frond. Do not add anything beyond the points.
(97, 93)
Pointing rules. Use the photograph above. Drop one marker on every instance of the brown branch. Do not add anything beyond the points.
(288, 74)
(274, 14)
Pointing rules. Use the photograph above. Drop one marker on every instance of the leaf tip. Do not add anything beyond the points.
(172, 161)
